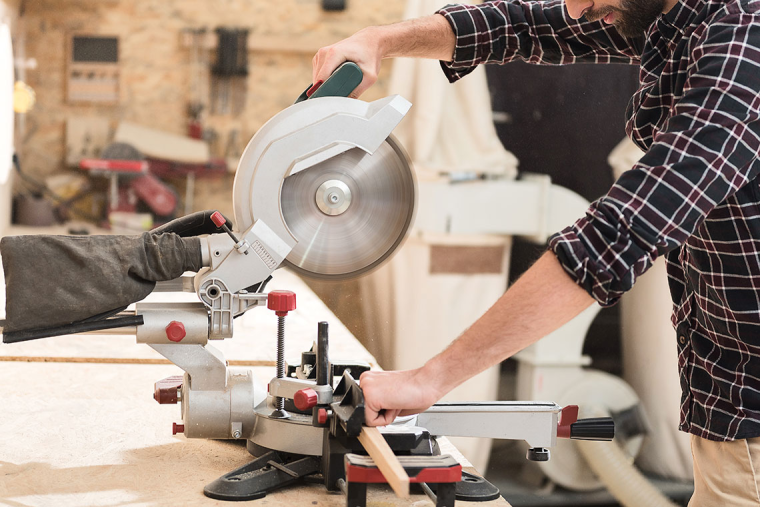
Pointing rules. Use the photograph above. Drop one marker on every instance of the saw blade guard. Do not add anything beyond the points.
(327, 177)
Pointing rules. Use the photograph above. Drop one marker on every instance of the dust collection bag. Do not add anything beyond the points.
(53, 281)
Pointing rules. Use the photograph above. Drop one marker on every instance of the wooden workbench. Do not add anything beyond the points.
(78, 425)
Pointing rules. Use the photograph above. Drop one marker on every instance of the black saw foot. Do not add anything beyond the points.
(473, 488)
(257, 478)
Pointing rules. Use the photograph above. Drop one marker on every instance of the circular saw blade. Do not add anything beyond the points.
(366, 231)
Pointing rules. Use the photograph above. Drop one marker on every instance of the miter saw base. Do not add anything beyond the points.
(336, 424)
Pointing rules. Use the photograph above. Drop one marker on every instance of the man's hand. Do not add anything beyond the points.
(363, 48)
(389, 394)
(428, 37)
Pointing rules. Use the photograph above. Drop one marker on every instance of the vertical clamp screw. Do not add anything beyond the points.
(282, 302)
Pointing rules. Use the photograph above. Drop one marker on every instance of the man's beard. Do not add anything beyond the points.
(633, 17)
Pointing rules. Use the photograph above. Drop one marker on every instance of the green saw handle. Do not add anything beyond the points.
(340, 84)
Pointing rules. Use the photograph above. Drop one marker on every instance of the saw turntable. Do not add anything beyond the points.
(324, 189)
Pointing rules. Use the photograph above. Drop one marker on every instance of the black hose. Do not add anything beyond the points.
(76, 327)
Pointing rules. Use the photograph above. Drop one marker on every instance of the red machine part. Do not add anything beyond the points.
(281, 301)
(175, 331)
(437, 470)
(166, 390)
(154, 192)
(177, 428)
(218, 219)
(122, 166)
(305, 399)
(322, 416)
(568, 416)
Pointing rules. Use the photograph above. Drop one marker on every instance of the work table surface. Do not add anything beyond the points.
(79, 426)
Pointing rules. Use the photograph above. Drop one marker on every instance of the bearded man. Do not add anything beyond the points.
(693, 197)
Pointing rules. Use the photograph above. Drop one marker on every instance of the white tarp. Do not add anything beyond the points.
(413, 311)
(650, 359)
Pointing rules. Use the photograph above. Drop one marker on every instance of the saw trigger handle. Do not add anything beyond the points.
(341, 83)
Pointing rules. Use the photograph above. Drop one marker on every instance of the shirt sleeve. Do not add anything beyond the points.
(707, 150)
(534, 31)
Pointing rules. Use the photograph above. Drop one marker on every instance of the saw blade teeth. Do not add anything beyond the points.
(371, 223)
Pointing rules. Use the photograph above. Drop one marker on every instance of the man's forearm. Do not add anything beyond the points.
(541, 301)
(427, 37)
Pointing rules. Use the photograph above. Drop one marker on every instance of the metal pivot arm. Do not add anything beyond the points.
(535, 422)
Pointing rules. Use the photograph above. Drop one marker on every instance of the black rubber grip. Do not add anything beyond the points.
(598, 428)
(194, 224)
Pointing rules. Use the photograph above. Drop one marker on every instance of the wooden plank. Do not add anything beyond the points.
(160, 144)
(386, 461)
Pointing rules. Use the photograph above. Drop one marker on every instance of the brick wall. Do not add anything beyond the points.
(156, 71)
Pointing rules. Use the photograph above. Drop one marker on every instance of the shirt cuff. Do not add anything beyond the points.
(463, 60)
(574, 256)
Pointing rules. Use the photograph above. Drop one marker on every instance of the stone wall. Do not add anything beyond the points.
(155, 65)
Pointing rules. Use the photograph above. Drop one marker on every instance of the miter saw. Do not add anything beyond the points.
(326, 190)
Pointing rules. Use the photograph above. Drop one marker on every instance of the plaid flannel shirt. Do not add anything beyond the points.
(693, 197)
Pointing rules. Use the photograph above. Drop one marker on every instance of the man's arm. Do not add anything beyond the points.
(464, 36)
(542, 300)
(428, 37)
(706, 154)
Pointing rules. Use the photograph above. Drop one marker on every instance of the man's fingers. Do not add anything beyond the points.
(314, 67)
(382, 418)
(329, 61)
(368, 80)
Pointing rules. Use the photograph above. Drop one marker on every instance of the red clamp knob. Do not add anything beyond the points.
(305, 399)
(281, 301)
(322, 416)
(218, 219)
(177, 428)
(567, 417)
(175, 331)
(166, 391)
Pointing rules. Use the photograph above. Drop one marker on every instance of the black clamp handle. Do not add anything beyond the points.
(595, 428)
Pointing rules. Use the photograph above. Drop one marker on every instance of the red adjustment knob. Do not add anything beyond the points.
(567, 417)
(305, 399)
(166, 391)
(218, 219)
(175, 331)
(177, 428)
(322, 416)
(281, 301)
